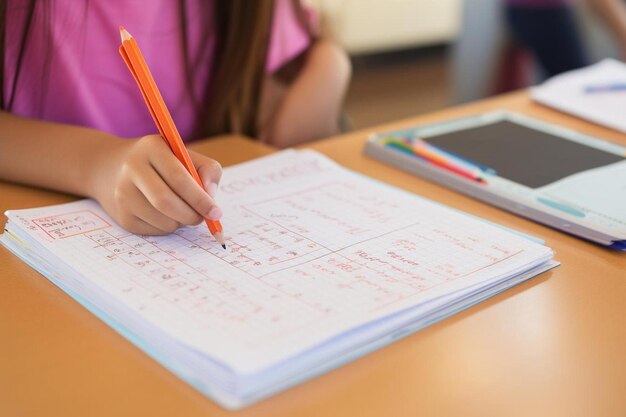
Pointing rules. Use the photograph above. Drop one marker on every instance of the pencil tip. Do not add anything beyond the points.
(124, 34)
(220, 239)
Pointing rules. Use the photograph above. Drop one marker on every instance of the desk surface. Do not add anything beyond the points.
(553, 346)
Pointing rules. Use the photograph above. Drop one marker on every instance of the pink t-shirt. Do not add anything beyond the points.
(72, 72)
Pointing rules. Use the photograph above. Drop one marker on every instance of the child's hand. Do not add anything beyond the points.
(147, 190)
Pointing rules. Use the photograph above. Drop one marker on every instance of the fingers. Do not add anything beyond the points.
(141, 227)
(174, 174)
(152, 192)
(135, 213)
(145, 211)
(210, 171)
(163, 199)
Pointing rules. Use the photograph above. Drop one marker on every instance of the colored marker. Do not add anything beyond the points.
(459, 159)
(448, 158)
(400, 146)
(433, 159)
(446, 163)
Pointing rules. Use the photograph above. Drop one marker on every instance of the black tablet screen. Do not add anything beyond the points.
(521, 154)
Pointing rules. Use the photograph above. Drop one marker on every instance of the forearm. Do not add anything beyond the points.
(52, 155)
(310, 108)
(613, 13)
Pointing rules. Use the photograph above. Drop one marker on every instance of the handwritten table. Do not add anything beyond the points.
(553, 346)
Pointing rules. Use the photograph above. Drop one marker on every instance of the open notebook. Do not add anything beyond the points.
(322, 266)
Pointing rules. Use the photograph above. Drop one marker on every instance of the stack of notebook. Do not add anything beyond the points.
(322, 266)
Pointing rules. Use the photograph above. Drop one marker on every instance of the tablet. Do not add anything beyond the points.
(554, 175)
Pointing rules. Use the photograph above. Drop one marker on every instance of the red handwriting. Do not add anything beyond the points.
(65, 225)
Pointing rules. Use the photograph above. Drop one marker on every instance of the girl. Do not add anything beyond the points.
(69, 104)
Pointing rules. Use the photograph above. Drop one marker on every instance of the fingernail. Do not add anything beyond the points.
(215, 213)
(212, 189)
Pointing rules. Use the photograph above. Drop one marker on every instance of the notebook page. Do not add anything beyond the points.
(313, 250)
(566, 92)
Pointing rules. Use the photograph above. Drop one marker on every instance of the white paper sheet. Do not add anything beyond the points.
(313, 250)
(567, 92)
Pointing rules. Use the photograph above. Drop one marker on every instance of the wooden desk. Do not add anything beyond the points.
(553, 346)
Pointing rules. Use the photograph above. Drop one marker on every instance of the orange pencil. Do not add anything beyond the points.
(161, 115)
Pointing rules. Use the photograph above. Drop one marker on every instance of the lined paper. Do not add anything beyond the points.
(313, 250)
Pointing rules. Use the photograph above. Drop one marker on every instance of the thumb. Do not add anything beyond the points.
(209, 170)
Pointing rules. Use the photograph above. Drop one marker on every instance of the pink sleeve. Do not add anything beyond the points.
(288, 38)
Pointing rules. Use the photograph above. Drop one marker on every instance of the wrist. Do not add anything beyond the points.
(99, 168)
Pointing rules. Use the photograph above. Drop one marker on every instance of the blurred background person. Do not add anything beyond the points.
(553, 33)
(549, 29)
(505, 45)
(411, 57)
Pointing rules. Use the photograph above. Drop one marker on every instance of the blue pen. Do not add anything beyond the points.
(603, 88)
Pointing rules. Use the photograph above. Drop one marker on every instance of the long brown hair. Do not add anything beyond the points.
(242, 29)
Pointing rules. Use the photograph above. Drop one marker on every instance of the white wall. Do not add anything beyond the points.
(365, 26)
